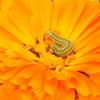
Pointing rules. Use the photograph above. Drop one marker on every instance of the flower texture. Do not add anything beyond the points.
(49, 50)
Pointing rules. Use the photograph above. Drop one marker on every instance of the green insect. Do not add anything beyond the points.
(61, 46)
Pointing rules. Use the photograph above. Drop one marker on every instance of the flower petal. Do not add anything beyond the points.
(44, 8)
(23, 24)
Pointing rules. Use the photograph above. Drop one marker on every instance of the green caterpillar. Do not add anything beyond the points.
(61, 46)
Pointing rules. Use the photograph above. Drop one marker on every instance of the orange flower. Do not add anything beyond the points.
(34, 62)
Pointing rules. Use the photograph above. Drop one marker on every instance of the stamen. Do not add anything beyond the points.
(37, 41)
(35, 52)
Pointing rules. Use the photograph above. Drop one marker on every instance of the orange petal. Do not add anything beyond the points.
(89, 13)
(23, 24)
(85, 67)
(6, 92)
(77, 11)
(43, 8)
(51, 87)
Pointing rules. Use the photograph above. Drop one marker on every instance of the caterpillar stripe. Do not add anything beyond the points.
(61, 46)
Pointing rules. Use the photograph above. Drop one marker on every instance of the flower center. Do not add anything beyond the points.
(54, 52)
(60, 46)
